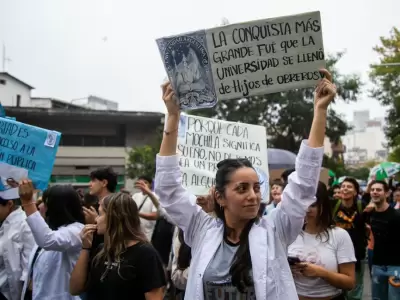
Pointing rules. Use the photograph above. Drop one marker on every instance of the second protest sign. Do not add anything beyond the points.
(204, 142)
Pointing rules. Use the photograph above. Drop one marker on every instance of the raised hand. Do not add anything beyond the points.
(87, 235)
(325, 91)
(169, 99)
(26, 190)
(143, 187)
(90, 215)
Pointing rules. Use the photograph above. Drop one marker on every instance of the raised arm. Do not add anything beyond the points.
(178, 203)
(299, 194)
(79, 275)
(63, 239)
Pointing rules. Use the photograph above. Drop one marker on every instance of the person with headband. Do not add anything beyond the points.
(239, 254)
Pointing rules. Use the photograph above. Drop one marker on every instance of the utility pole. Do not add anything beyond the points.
(5, 58)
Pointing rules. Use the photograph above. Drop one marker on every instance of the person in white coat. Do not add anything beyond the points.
(16, 244)
(238, 252)
(58, 241)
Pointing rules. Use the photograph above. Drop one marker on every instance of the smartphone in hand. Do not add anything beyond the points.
(293, 260)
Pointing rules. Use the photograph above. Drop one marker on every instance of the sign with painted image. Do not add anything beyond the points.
(243, 60)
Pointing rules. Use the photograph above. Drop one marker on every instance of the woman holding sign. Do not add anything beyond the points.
(238, 252)
(58, 241)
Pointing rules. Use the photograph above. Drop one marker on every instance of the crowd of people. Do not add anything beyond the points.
(309, 242)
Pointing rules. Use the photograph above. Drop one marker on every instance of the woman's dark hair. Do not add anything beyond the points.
(91, 200)
(63, 206)
(285, 174)
(261, 210)
(184, 253)
(45, 195)
(241, 264)
(324, 205)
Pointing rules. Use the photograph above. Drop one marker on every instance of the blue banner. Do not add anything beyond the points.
(26, 152)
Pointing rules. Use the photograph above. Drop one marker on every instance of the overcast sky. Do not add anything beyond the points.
(68, 49)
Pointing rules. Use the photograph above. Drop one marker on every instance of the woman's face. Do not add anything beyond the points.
(101, 221)
(276, 193)
(242, 195)
(312, 212)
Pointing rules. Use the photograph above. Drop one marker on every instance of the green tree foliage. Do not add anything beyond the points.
(387, 87)
(395, 154)
(287, 116)
(142, 160)
(337, 167)
(359, 173)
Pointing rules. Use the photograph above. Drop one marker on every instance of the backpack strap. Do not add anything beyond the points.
(336, 208)
(141, 205)
(359, 206)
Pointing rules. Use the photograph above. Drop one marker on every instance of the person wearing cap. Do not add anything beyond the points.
(16, 244)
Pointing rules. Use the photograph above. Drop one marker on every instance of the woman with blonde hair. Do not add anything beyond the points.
(126, 266)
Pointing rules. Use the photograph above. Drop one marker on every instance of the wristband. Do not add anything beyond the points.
(84, 248)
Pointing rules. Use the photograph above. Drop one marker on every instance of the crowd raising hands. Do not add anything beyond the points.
(224, 243)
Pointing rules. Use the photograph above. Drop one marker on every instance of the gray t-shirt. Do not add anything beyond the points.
(217, 281)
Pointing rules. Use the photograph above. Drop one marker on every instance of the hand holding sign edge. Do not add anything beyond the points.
(169, 98)
(325, 91)
(26, 190)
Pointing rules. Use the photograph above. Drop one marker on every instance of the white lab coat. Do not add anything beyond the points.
(16, 249)
(55, 262)
(268, 238)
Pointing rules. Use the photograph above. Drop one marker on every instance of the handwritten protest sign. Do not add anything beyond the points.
(26, 152)
(203, 142)
(242, 60)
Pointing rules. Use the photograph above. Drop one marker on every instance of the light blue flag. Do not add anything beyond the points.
(26, 151)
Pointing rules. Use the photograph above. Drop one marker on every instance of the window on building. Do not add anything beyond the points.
(92, 141)
(71, 140)
(18, 100)
(3, 81)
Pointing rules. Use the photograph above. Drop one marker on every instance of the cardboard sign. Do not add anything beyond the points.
(26, 152)
(204, 142)
(243, 60)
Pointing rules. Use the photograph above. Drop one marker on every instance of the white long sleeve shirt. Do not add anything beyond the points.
(268, 238)
(16, 244)
(55, 262)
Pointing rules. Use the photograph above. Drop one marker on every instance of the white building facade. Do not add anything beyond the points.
(94, 134)
(14, 92)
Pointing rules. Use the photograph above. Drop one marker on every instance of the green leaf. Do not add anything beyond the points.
(387, 85)
(142, 160)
